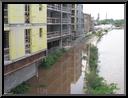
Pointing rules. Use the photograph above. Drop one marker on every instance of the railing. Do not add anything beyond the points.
(73, 14)
(53, 20)
(73, 8)
(27, 13)
(5, 12)
(53, 34)
(55, 7)
(5, 16)
(27, 47)
(65, 20)
(67, 9)
(12, 67)
(58, 7)
(66, 44)
(6, 54)
(65, 32)
(27, 18)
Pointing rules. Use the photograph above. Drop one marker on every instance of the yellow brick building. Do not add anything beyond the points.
(33, 30)
(25, 41)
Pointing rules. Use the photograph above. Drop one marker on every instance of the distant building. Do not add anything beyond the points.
(98, 17)
(88, 23)
(92, 24)
(77, 20)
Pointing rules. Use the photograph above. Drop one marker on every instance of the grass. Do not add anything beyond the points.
(93, 61)
(100, 34)
(20, 89)
(52, 58)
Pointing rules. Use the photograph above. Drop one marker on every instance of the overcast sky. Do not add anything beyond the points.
(114, 11)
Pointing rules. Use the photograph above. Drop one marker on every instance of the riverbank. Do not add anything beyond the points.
(96, 84)
(111, 56)
(66, 75)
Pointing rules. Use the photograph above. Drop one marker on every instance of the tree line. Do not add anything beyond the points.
(117, 22)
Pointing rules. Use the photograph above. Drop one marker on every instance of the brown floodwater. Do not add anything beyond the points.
(64, 77)
(67, 75)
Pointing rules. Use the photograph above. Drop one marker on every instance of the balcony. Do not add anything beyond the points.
(66, 20)
(65, 32)
(53, 20)
(66, 9)
(27, 47)
(54, 7)
(5, 16)
(73, 14)
(6, 54)
(24, 62)
(53, 34)
(73, 8)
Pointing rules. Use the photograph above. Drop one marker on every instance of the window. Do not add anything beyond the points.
(6, 39)
(6, 45)
(77, 20)
(40, 32)
(73, 27)
(27, 8)
(40, 7)
(73, 12)
(72, 20)
(27, 41)
(5, 13)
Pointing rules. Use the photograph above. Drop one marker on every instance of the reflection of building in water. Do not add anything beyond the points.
(76, 67)
(57, 80)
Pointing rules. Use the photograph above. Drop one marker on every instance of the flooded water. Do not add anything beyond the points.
(111, 56)
(65, 77)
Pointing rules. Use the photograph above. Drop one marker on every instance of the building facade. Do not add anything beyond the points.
(25, 41)
(77, 20)
(88, 23)
(58, 25)
(33, 30)
(87, 20)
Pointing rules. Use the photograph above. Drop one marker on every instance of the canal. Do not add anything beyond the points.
(111, 57)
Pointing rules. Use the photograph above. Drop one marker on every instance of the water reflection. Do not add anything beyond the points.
(65, 77)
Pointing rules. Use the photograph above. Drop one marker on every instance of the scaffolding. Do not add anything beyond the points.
(58, 24)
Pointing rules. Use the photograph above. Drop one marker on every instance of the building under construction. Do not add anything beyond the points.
(65, 23)
(31, 31)
(58, 25)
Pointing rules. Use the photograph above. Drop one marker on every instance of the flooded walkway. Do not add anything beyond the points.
(64, 77)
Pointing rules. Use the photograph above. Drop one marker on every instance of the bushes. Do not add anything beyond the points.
(52, 58)
(20, 89)
(97, 85)
(93, 61)
(105, 88)
(94, 83)
(105, 30)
